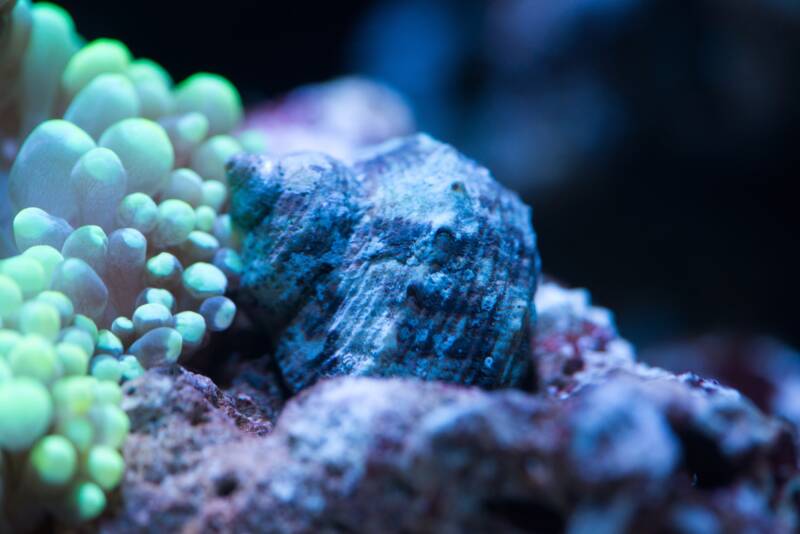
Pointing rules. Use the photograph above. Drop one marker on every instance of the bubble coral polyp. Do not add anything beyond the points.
(127, 251)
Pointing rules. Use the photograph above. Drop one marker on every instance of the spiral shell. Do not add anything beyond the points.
(412, 262)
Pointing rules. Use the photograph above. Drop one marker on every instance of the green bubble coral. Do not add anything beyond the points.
(126, 249)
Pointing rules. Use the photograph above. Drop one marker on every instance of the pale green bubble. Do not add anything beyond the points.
(35, 227)
(54, 460)
(74, 395)
(138, 211)
(48, 257)
(66, 311)
(158, 347)
(210, 158)
(160, 296)
(213, 96)
(153, 86)
(176, 220)
(122, 327)
(10, 297)
(107, 99)
(90, 244)
(203, 280)
(78, 430)
(73, 358)
(87, 325)
(86, 501)
(191, 326)
(186, 132)
(199, 246)
(105, 466)
(145, 151)
(215, 194)
(34, 357)
(131, 368)
(111, 425)
(108, 392)
(8, 340)
(26, 411)
(79, 337)
(163, 271)
(108, 343)
(99, 182)
(106, 368)
(41, 319)
(229, 262)
(219, 313)
(98, 57)
(87, 291)
(38, 177)
(205, 216)
(146, 69)
(27, 273)
(186, 185)
(151, 316)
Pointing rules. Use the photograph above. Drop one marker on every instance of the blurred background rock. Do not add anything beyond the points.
(657, 140)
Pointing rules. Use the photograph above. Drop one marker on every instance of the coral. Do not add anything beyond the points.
(119, 202)
(412, 262)
(61, 425)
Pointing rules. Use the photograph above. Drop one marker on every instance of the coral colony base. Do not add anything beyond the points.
(126, 253)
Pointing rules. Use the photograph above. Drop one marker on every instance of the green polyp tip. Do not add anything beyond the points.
(76, 336)
(186, 185)
(5, 371)
(213, 96)
(73, 358)
(34, 357)
(144, 69)
(26, 411)
(66, 311)
(54, 460)
(87, 501)
(214, 194)
(87, 325)
(41, 319)
(48, 257)
(219, 313)
(27, 273)
(163, 269)
(98, 57)
(229, 262)
(191, 326)
(145, 151)
(112, 425)
(138, 211)
(192, 128)
(210, 158)
(203, 280)
(108, 343)
(105, 367)
(105, 466)
(158, 347)
(253, 142)
(78, 430)
(200, 246)
(74, 395)
(108, 392)
(122, 327)
(107, 99)
(10, 297)
(205, 216)
(90, 244)
(8, 340)
(176, 220)
(131, 368)
(150, 316)
(33, 225)
(156, 296)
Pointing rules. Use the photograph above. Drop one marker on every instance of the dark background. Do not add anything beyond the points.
(657, 140)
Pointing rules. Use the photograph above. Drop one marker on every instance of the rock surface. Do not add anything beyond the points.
(629, 449)
(339, 117)
(412, 262)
